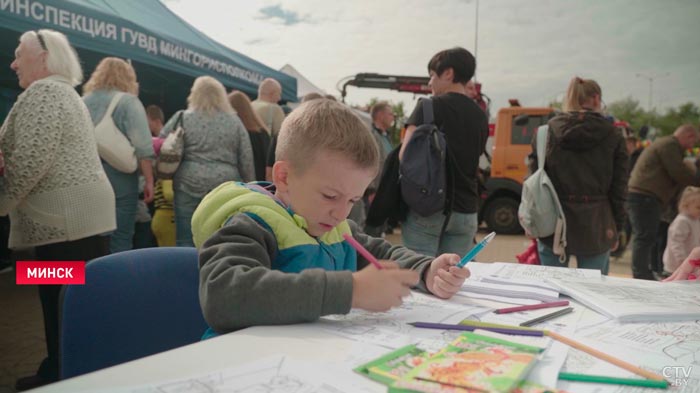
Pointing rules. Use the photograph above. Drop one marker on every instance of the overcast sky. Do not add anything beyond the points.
(527, 49)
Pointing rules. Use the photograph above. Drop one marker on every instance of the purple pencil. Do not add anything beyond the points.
(445, 326)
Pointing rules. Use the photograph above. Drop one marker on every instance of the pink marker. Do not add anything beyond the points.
(362, 251)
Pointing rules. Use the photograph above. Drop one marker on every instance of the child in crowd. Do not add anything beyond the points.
(684, 232)
(689, 269)
(276, 255)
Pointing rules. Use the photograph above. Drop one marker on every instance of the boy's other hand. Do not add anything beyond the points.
(380, 290)
(444, 278)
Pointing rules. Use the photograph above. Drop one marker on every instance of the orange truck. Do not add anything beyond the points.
(509, 147)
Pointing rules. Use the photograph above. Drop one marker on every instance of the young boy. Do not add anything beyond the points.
(277, 256)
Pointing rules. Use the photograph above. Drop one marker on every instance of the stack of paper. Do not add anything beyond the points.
(631, 300)
(508, 290)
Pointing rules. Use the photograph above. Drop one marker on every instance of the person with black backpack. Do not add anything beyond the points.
(444, 139)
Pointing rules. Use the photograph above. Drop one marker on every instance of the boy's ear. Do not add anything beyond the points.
(280, 175)
(449, 74)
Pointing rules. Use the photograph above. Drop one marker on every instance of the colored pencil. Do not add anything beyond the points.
(479, 324)
(613, 380)
(603, 356)
(532, 307)
(547, 317)
(446, 326)
(362, 251)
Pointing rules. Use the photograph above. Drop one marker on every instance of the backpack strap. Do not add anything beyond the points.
(113, 104)
(542, 136)
(559, 243)
(180, 121)
(428, 117)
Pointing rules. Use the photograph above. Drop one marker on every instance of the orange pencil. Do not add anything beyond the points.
(603, 356)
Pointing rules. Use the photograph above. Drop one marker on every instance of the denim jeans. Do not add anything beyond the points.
(422, 234)
(126, 193)
(645, 215)
(185, 205)
(548, 258)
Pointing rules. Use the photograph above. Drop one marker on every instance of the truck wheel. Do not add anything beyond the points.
(501, 216)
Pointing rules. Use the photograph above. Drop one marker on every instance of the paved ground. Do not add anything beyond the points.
(21, 329)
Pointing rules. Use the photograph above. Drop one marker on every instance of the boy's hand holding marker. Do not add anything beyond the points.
(444, 277)
(379, 290)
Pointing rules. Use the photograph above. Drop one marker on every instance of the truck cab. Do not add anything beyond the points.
(503, 179)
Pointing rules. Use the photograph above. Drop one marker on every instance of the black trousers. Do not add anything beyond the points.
(77, 250)
(645, 215)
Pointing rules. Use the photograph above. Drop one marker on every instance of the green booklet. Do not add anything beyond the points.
(393, 365)
(471, 363)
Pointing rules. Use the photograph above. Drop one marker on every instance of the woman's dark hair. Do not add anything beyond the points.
(461, 61)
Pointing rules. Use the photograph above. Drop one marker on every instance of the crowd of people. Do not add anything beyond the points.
(290, 182)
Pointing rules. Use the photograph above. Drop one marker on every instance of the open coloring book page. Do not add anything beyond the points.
(391, 329)
(636, 300)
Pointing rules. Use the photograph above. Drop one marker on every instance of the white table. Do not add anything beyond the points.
(302, 341)
(673, 345)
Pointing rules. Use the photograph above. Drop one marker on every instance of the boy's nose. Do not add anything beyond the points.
(340, 213)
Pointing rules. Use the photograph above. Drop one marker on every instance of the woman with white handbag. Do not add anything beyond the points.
(123, 141)
(216, 149)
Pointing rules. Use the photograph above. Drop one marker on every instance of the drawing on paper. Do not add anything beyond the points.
(270, 378)
(540, 272)
(657, 296)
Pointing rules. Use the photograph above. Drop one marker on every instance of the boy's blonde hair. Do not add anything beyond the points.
(689, 195)
(319, 125)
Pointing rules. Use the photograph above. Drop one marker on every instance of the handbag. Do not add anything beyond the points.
(172, 151)
(112, 145)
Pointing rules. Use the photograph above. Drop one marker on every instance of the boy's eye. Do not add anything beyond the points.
(329, 197)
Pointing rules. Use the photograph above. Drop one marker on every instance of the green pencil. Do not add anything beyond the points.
(647, 383)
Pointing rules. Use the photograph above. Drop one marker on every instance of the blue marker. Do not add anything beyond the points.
(480, 246)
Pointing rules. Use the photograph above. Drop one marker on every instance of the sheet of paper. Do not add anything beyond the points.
(391, 329)
(495, 287)
(657, 345)
(582, 363)
(636, 300)
(274, 374)
(479, 269)
(540, 273)
(506, 301)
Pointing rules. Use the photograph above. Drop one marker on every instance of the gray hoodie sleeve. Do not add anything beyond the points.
(238, 288)
(382, 249)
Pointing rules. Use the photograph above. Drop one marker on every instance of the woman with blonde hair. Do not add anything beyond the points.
(587, 163)
(115, 80)
(259, 136)
(217, 149)
(54, 188)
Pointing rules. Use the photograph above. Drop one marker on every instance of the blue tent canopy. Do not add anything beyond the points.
(160, 44)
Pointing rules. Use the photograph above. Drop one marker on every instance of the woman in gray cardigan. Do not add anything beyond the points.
(217, 149)
(58, 197)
